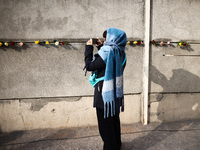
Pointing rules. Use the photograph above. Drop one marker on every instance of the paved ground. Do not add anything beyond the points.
(183, 135)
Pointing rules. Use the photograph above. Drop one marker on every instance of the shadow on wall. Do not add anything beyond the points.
(27, 46)
(183, 105)
(16, 48)
(181, 81)
(174, 45)
(67, 47)
(9, 137)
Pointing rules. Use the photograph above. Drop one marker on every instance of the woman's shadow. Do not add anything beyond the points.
(181, 81)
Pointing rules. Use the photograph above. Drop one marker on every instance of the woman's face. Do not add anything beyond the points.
(104, 39)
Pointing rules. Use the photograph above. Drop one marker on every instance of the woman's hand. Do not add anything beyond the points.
(89, 42)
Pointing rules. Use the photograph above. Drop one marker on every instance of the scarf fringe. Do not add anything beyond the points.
(109, 107)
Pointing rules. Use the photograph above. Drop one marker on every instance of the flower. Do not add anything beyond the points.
(161, 43)
(47, 43)
(168, 43)
(6, 43)
(135, 42)
(56, 43)
(1, 43)
(139, 42)
(64, 43)
(183, 43)
(153, 42)
(129, 42)
(21, 44)
(37, 42)
(12, 43)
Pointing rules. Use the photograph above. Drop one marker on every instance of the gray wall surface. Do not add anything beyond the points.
(175, 73)
(49, 19)
(175, 20)
(174, 84)
(52, 72)
(38, 71)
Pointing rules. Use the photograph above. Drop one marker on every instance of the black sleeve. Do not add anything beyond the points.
(88, 54)
(90, 65)
(98, 47)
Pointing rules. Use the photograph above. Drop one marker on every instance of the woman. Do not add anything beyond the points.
(108, 66)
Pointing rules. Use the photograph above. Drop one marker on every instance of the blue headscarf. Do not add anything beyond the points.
(111, 53)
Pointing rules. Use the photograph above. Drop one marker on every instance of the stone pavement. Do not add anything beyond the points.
(184, 135)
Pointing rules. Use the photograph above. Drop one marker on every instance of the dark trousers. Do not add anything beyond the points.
(109, 129)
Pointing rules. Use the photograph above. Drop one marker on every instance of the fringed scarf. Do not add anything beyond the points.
(111, 53)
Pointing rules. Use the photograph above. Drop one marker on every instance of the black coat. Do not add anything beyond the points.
(99, 65)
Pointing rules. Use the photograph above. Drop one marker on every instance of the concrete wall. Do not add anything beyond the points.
(45, 86)
(175, 81)
(49, 71)
(48, 19)
(38, 113)
(175, 20)
(174, 107)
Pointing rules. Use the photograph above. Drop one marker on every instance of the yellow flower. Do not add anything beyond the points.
(47, 42)
(179, 43)
(1, 43)
(37, 42)
(135, 42)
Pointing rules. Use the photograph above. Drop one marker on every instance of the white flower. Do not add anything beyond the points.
(56, 43)
(6, 43)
